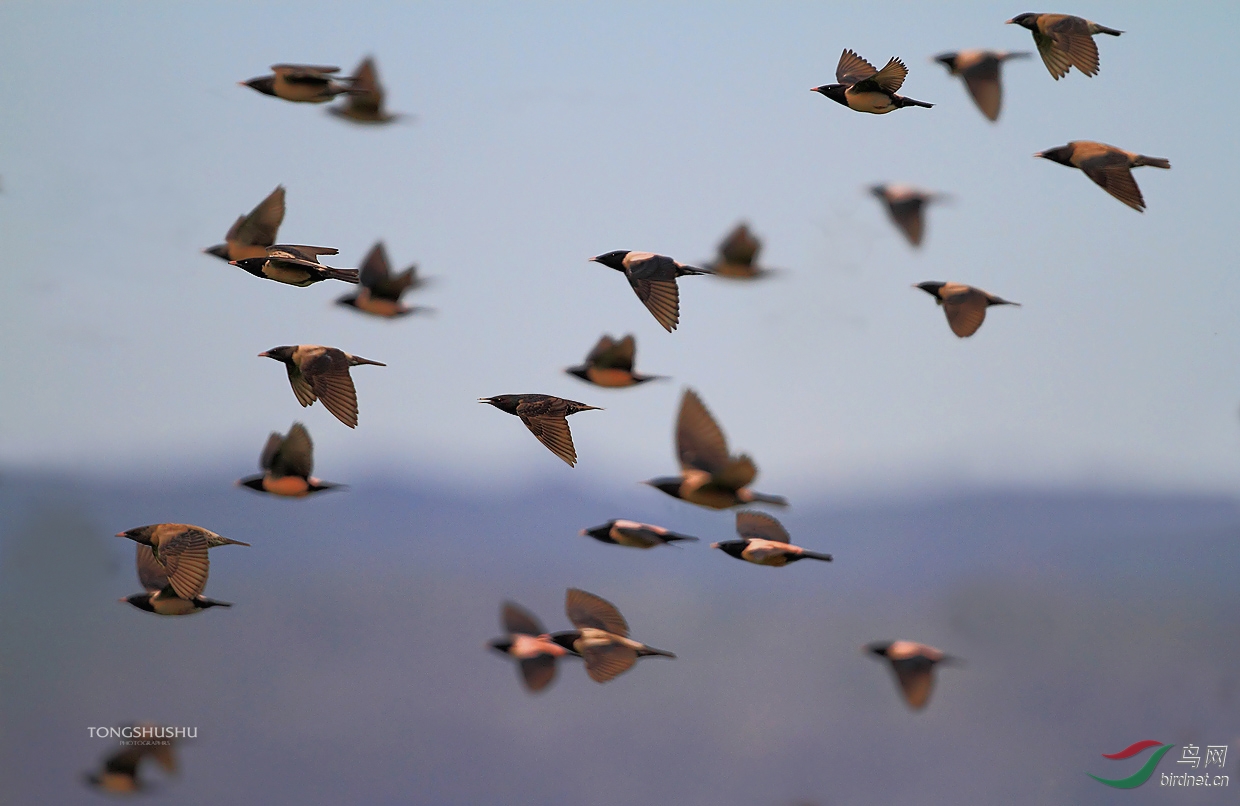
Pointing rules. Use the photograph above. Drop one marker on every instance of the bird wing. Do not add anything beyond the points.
(1056, 59)
(909, 216)
(375, 269)
(538, 672)
(740, 247)
(661, 298)
(301, 387)
(300, 252)
(891, 77)
(184, 558)
(983, 83)
(552, 431)
(699, 440)
(516, 619)
(260, 226)
(965, 312)
(758, 525)
(615, 355)
(295, 456)
(1072, 37)
(268, 456)
(739, 472)
(1111, 172)
(916, 680)
(328, 375)
(151, 574)
(601, 348)
(303, 70)
(606, 662)
(852, 68)
(367, 94)
(587, 610)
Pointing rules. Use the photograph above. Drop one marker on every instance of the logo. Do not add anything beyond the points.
(1140, 776)
(1216, 754)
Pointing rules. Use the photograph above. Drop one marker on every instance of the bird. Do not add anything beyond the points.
(620, 532)
(546, 417)
(1109, 167)
(738, 256)
(295, 265)
(180, 552)
(119, 774)
(287, 463)
(381, 291)
(764, 541)
(865, 89)
(913, 664)
(964, 305)
(530, 645)
(251, 234)
(364, 101)
(980, 71)
(709, 476)
(906, 206)
(602, 637)
(159, 597)
(316, 372)
(1064, 41)
(302, 83)
(653, 278)
(610, 364)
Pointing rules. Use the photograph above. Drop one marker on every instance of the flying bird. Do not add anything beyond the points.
(738, 256)
(251, 234)
(913, 664)
(322, 373)
(295, 265)
(620, 532)
(964, 305)
(907, 208)
(764, 541)
(1064, 41)
(381, 290)
(602, 637)
(119, 774)
(1109, 167)
(158, 596)
(709, 476)
(547, 419)
(653, 278)
(530, 645)
(862, 88)
(980, 71)
(179, 550)
(364, 101)
(288, 463)
(610, 364)
(302, 83)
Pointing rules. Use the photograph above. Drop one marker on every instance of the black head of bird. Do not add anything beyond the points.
(507, 403)
(948, 60)
(142, 601)
(612, 260)
(253, 265)
(139, 534)
(833, 91)
(284, 353)
(1061, 155)
(264, 84)
(500, 644)
(931, 288)
(732, 548)
(220, 251)
(566, 639)
(1027, 20)
(667, 484)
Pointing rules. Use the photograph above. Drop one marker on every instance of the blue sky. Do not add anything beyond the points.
(548, 133)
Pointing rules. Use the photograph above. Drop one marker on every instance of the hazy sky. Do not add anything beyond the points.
(548, 133)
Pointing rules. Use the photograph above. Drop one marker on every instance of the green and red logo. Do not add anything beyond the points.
(1140, 776)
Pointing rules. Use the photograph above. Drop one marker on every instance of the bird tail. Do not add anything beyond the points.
(813, 555)
(1153, 162)
(220, 540)
(649, 650)
(913, 102)
(347, 275)
(205, 602)
(673, 537)
(354, 360)
(1102, 29)
(689, 270)
(762, 498)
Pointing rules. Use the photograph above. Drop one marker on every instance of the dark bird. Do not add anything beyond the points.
(159, 596)
(865, 89)
(322, 373)
(764, 541)
(1109, 167)
(610, 364)
(907, 208)
(364, 101)
(530, 645)
(547, 419)
(964, 305)
(913, 664)
(738, 256)
(287, 463)
(653, 278)
(381, 290)
(120, 769)
(980, 71)
(602, 637)
(295, 265)
(709, 476)
(636, 535)
(302, 83)
(180, 552)
(1064, 41)
(250, 235)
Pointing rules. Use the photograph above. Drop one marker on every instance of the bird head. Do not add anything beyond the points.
(612, 260)
(1062, 154)
(668, 484)
(879, 191)
(264, 84)
(931, 288)
(139, 534)
(948, 60)
(732, 548)
(833, 91)
(501, 644)
(142, 601)
(506, 403)
(1026, 20)
(566, 639)
(284, 353)
(580, 372)
(599, 532)
(878, 648)
(219, 250)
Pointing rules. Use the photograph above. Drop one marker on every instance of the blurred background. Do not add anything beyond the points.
(1053, 499)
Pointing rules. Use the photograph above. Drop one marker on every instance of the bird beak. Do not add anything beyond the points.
(484, 400)
(1010, 22)
(582, 533)
(264, 355)
(592, 260)
(714, 545)
(235, 263)
(1040, 154)
(123, 599)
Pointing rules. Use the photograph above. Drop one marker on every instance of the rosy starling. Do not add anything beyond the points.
(980, 71)
(120, 769)
(180, 552)
(964, 305)
(764, 541)
(302, 83)
(913, 664)
(287, 463)
(530, 645)
(381, 290)
(1064, 41)
(159, 596)
(322, 373)
(610, 364)
(709, 476)
(602, 637)
(364, 102)
(653, 278)
(620, 532)
(865, 89)
(251, 234)
(738, 256)
(1109, 167)
(907, 208)
(295, 265)
(547, 419)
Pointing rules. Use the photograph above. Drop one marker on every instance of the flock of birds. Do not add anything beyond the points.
(173, 559)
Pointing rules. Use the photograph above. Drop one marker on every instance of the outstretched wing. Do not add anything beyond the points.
(762, 526)
(516, 619)
(587, 610)
(699, 441)
(852, 68)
